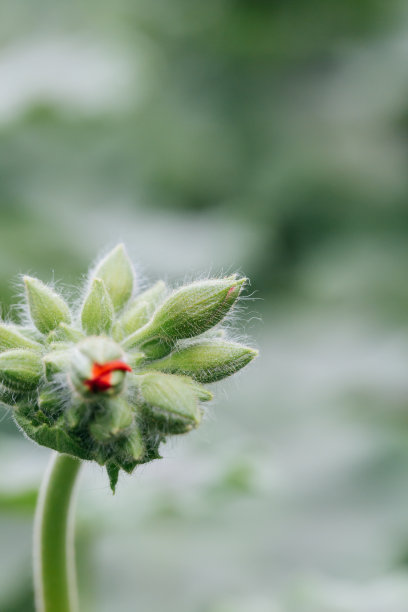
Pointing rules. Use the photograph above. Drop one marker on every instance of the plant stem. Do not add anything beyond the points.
(54, 564)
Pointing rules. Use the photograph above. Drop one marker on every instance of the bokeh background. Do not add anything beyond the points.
(269, 137)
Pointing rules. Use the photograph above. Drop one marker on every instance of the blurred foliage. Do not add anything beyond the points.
(265, 136)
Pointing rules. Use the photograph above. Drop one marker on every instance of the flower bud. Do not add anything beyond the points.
(112, 382)
(20, 369)
(207, 361)
(49, 400)
(66, 333)
(117, 273)
(11, 338)
(77, 413)
(140, 310)
(190, 311)
(172, 401)
(97, 366)
(10, 397)
(131, 449)
(56, 361)
(156, 348)
(111, 420)
(97, 310)
(47, 308)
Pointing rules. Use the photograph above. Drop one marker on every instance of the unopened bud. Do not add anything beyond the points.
(97, 366)
(49, 400)
(207, 361)
(190, 311)
(47, 308)
(140, 310)
(156, 348)
(66, 333)
(77, 413)
(97, 311)
(111, 420)
(20, 369)
(131, 449)
(172, 401)
(55, 362)
(11, 338)
(117, 273)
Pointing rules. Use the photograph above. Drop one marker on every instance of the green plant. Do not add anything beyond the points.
(109, 381)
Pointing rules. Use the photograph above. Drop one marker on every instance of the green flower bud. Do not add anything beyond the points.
(66, 333)
(10, 397)
(77, 414)
(139, 310)
(55, 362)
(30, 333)
(20, 369)
(112, 419)
(97, 310)
(131, 449)
(207, 361)
(11, 338)
(117, 273)
(156, 348)
(49, 400)
(171, 400)
(190, 311)
(97, 367)
(47, 308)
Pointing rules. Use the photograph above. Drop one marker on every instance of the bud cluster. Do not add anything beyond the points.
(110, 380)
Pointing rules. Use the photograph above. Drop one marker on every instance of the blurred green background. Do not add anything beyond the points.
(269, 137)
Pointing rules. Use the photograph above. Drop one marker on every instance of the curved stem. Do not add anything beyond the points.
(54, 564)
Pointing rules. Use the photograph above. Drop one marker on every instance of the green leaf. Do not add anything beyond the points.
(54, 437)
(23, 502)
(113, 473)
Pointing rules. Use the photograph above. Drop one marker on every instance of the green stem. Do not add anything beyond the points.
(54, 563)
